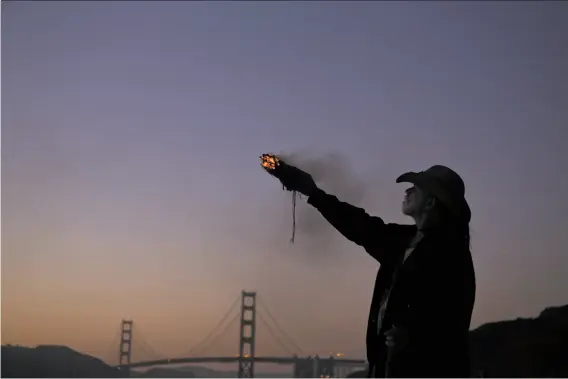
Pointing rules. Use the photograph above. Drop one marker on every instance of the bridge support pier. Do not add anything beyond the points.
(325, 368)
(303, 367)
(125, 354)
(340, 372)
(247, 335)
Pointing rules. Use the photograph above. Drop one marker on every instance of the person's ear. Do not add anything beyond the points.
(430, 204)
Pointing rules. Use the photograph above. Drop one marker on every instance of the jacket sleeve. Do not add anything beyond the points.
(376, 237)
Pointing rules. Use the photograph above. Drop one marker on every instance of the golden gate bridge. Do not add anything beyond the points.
(304, 366)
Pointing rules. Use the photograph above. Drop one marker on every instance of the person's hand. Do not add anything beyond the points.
(396, 338)
(295, 179)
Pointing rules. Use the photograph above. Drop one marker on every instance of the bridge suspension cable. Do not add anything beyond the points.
(210, 335)
(218, 337)
(110, 355)
(142, 353)
(275, 336)
(142, 342)
(277, 325)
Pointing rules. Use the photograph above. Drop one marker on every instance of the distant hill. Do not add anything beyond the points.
(162, 372)
(195, 372)
(182, 372)
(524, 347)
(52, 362)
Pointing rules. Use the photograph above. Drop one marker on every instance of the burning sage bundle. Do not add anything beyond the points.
(274, 166)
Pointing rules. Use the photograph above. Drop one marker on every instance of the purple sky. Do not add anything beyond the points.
(132, 187)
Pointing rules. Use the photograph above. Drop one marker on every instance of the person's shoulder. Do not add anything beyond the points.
(404, 230)
(400, 235)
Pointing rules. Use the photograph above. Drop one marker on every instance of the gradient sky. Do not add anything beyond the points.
(131, 185)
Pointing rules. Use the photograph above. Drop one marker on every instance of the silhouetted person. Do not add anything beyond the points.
(425, 288)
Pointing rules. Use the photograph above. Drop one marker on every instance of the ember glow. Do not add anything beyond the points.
(269, 161)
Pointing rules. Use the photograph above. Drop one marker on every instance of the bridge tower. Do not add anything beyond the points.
(247, 334)
(126, 345)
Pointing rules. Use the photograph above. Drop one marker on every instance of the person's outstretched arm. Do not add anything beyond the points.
(370, 232)
(380, 240)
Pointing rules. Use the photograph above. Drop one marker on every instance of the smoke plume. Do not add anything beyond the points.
(334, 173)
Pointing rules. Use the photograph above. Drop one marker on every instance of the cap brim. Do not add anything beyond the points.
(460, 209)
(409, 177)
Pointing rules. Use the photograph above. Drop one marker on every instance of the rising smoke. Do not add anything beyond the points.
(334, 173)
(321, 263)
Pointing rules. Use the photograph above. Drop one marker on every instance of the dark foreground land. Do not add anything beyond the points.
(519, 348)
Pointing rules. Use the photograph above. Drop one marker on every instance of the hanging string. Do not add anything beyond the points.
(267, 160)
(294, 195)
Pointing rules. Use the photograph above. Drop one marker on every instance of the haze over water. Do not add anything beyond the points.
(132, 187)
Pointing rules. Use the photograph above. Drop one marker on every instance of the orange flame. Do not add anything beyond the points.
(269, 161)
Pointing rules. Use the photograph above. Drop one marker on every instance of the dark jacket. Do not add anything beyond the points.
(433, 297)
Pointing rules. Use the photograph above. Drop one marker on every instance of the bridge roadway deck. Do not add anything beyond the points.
(277, 360)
